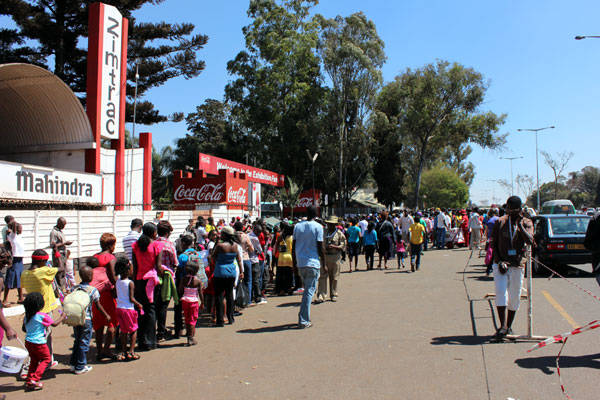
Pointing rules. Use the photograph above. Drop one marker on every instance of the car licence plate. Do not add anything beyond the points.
(575, 247)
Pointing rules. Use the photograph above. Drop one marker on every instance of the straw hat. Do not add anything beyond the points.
(332, 220)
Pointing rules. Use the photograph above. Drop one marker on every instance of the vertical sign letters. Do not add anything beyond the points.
(110, 75)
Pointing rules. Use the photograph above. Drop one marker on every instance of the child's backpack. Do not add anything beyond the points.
(196, 256)
(76, 304)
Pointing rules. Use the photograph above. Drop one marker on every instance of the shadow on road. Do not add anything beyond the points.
(270, 329)
(546, 362)
(292, 304)
(398, 272)
(460, 340)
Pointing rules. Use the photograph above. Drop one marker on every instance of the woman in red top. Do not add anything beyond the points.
(146, 256)
(104, 280)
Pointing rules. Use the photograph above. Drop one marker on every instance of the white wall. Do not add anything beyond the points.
(107, 169)
(84, 228)
(72, 160)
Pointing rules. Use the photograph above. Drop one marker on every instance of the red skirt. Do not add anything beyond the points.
(110, 306)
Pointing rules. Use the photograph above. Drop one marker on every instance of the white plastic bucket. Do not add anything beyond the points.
(12, 359)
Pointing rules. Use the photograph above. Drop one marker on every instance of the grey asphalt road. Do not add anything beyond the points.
(392, 335)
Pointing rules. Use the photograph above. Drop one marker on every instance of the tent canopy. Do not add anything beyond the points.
(39, 112)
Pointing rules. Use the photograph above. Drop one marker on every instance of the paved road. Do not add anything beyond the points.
(392, 335)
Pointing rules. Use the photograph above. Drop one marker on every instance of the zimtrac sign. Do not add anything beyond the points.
(212, 165)
(225, 188)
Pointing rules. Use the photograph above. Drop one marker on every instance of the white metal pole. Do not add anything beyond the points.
(529, 294)
(537, 172)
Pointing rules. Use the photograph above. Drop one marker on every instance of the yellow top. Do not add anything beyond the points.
(209, 228)
(416, 233)
(40, 280)
(285, 258)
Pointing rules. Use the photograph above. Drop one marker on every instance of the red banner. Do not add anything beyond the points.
(211, 165)
(225, 188)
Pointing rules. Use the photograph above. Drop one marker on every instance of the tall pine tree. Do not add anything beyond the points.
(49, 33)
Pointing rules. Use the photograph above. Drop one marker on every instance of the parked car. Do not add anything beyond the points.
(559, 241)
(558, 207)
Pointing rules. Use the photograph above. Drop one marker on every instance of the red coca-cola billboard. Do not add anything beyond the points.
(225, 188)
(212, 165)
(305, 200)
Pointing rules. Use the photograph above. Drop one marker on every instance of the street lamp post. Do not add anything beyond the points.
(493, 195)
(586, 37)
(537, 168)
(512, 186)
(313, 158)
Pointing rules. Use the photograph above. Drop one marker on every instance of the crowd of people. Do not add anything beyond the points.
(220, 269)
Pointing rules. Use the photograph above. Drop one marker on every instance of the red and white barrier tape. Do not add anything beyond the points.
(565, 336)
(566, 279)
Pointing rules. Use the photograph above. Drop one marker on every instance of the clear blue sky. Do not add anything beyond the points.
(539, 75)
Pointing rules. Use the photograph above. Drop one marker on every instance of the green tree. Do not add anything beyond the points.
(386, 154)
(289, 195)
(444, 188)
(583, 185)
(436, 106)
(210, 133)
(162, 173)
(276, 96)
(50, 33)
(550, 191)
(352, 55)
(455, 159)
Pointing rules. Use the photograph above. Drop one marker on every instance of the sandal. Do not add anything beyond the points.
(122, 357)
(132, 356)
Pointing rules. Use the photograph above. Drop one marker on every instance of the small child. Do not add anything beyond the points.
(83, 333)
(192, 292)
(401, 250)
(126, 313)
(69, 273)
(36, 324)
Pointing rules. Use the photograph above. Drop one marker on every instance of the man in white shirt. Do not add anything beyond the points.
(440, 231)
(405, 222)
(362, 224)
(132, 236)
(475, 227)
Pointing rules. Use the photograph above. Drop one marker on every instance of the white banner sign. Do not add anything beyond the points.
(110, 72)
(30, 182)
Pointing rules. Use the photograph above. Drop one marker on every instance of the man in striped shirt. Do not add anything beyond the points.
(132, 236)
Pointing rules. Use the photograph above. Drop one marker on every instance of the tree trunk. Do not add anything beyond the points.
(419, 172)
(341, 161)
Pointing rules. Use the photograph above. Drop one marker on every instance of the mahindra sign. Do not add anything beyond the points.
(226, 188)
(212, 165)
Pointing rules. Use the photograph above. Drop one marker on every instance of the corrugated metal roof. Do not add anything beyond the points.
(37, 109)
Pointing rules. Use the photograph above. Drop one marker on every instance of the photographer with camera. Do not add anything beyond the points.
(511, 233)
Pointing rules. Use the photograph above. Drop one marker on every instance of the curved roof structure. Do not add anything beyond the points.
(39, 112)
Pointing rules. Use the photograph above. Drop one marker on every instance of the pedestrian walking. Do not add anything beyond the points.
(308, 257)
(417, 234)
(59, 245)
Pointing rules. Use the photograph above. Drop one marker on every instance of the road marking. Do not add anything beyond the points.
(560, 309)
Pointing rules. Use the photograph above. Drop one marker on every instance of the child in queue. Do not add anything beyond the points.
(191, 286)
(83, 333)
(36, 324)
(126, 305)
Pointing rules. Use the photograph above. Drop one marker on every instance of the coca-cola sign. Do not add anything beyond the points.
(207, 193)
(236, 196)
(305, 202)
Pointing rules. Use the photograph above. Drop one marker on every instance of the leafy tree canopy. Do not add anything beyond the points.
(444, 188)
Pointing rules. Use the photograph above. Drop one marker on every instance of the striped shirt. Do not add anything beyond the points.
(128, 240)
(169, 253)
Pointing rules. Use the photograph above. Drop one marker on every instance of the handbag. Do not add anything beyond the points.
(488, 255)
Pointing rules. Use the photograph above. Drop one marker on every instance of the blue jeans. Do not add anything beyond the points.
(310, 277)
(248, 278)
(440, 236)
(261, 283)
(415, 251)
(83, 336)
